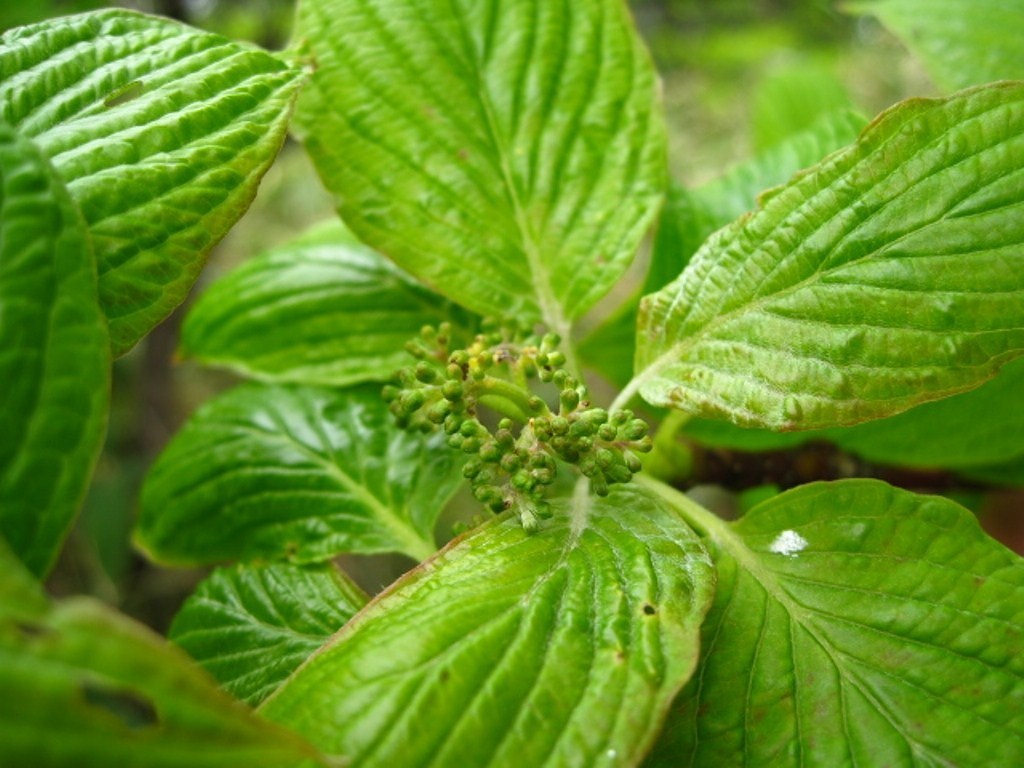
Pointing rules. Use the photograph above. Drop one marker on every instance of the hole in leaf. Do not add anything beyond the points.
(649, 609)
(131, 708)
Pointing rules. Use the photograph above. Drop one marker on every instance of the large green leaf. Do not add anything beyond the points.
(983, 426)
(85, 686)
(792, 100)
(251, 626)
(561, 648)
(855, 624)
(961, 43)
(886, 276)
(54, 358)
(689, 216)
(330, 313)
(161, 133)
(510, 154)
(297, 473)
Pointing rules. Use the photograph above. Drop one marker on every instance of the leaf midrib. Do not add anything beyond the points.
(733, 544)
(416, 547)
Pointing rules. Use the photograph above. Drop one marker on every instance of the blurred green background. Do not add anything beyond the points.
(738, 76)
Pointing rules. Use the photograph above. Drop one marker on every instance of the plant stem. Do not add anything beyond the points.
(628, 393)
(702, 520)
(506, 398)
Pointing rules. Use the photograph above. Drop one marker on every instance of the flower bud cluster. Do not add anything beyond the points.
(511, 465)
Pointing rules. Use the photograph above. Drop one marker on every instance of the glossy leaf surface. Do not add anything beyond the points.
(509, 154)
(54, 356)
(690, 216)
(86, 686)
(251, 626)
(333, 313)
(856, 624)
(960, 43)
(297, 473)
(886, 276)
(560, 648)
(160, 132)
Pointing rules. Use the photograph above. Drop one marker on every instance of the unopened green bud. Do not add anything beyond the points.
(569, 399)
(459, 357)
(583, 428)
(390, 393)
(472, 468)
(452, 422)
(632, 462)
(412, 400)
(599, 485)
(605, 458)
(607, 432)
(560, 425)
(618, 473)
(425, 372)
(452, 390)
(505, 438)
(438, 411)
(634, 430)
(491, 452)
(486, 494)
(510, 462)
(472, 428)
(556, 358)
(416, 350)
(543, 476)
(522, 481)
(618, 418)
(456, 440)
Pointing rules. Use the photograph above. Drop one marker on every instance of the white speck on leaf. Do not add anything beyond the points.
(788, 543)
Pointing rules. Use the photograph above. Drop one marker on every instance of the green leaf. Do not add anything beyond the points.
(855, 624)
(791, 101)
(560, 648)
(689, 216)
(983, 426)
(333, 313)
(160, 132)
(960, 43)
(85, 686)
(251, 626)
(54, 358)
(884, 277)
(299, 473)
(511, 155)
(1008, 473)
